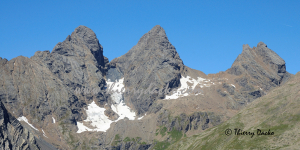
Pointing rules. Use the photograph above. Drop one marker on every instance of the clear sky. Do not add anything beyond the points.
(208, 35)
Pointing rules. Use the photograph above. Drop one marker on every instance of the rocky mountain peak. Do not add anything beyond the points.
(3, 61)
(268, 55)
(70, 95)
(87, 37)
(261, 65)
(155, 39)
(156, 32)
(246, 47)
(81, 43)
(261, 44)
(153, 60)
(260, 54)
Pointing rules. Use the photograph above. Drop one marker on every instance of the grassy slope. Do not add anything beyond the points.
(278, 111)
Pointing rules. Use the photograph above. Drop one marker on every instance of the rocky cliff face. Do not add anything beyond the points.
(153, 60)
(43, 90)
(29, 89)
(45, 84)
(276, 112)
(260, 62)
(258, 70)
(14, 136)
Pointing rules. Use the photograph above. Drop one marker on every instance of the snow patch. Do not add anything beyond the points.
(25, 120)
(120, 107)
(188, 85)
(96, 115)
(82, 128)
(97, 119)
(44, 133)
(140, 118)
(123, 111)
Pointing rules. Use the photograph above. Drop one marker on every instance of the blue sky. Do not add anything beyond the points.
(208, 35)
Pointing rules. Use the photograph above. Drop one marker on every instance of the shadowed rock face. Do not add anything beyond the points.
(153, 60)
(27, 88)
(14, 136)
(44, 86)
(258, 67)
(82, 43)
(78, 62)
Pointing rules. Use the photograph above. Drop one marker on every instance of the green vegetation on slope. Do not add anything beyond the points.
(277, 112)
(174, 136)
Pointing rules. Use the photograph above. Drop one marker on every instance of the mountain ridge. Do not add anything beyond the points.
(42, 88)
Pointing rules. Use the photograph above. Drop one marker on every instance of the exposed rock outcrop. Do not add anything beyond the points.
(153, 60)
(183, 122)
(43, 87)
(261, 64)
(78, 62)
(257, 70)
(14, 136)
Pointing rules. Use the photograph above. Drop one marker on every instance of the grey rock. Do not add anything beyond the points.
(258, 67)
(260, 63)
(3, 61)
(153, 60)
(130, 146)
(78, 62)
(229, 88)
(111, 114)
(155, 107)
(221, 93)
(27, 88)
(185, 122)
(44, 86)
(114, 74)
(14, 136)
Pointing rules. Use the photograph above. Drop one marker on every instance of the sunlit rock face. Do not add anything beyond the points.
(154, 60)
(258, 67)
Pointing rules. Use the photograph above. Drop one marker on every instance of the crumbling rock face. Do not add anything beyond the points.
(111, 114)
(26, 88)
(44, 86)
(258, 69)
(78, 62)
(13, 136)
(130, 146)
(183, 122)
(261, 64)
(153, 60)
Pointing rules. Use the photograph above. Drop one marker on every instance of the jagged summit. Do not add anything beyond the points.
(154, 40)
(70, 94)
(156, 35)
(153, 60)
(263, 52)
(87, 36)
(261, 64)
(82, 42)
(270, 55)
